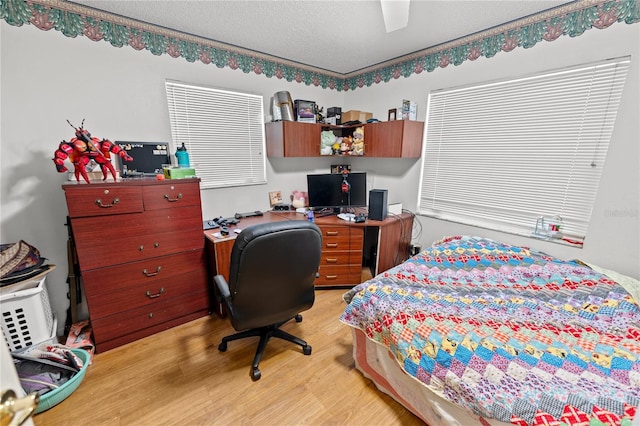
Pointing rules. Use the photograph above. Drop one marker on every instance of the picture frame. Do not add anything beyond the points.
(275, 197)
(340, 168)
(392, 114)
(304, 111)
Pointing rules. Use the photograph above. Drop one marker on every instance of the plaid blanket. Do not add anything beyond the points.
(507, 332)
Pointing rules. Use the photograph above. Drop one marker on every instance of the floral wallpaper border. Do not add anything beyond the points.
(74, 20)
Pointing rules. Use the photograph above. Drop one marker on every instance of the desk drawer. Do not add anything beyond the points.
(340, 258)
(334, 231)
(339, 275)
(102, 200)
(134, 320)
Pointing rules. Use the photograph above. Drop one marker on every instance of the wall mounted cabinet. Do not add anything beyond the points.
(396, 139)
(292, 139)
(389, 139)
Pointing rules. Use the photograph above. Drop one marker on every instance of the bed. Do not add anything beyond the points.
(474, 331)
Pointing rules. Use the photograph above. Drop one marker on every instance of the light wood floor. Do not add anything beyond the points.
(178, 377)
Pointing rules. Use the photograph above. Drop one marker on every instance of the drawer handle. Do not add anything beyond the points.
(153, 296)
(156, 245)
(331, 277)
(152, 274)
(172, 200)
(332, 259)
(332, 233)
(106, 206)
(332, 245)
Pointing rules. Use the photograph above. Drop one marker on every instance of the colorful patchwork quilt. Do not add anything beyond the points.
(509, 333)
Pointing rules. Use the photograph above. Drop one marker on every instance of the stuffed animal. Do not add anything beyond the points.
(299, 199)
(357, 144)
(357, 147)
(336, 146)
(345, 145)
(327, 139)
(358, 133)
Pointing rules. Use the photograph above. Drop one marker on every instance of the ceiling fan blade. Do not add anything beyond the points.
(395, 14)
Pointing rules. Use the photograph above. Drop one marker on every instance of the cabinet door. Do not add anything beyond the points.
(398, 138)
(292, 139)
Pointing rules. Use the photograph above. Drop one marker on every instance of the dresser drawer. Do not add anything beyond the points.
(126, 248)
(102, 200)
(104, 282)
(133, 320)
(173, 195)
(148, 294)
(339, 275)
(91, 230)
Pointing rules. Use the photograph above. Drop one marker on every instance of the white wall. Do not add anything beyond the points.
(613, 238)
(47, 78)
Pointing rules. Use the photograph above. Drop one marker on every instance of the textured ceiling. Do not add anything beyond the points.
(338, 36)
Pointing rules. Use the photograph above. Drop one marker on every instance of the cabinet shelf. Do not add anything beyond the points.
(390, 139)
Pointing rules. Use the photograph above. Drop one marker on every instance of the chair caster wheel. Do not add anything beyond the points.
(306, 349)
(222, 347)
(255, 374)
(298, 318)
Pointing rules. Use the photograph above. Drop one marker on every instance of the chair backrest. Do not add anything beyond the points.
(272, 272)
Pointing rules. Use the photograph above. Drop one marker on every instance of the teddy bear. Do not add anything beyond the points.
(336, 145)
(327, 139)
(357, 142)
(357, 147)
(345, 145)
(299, 199)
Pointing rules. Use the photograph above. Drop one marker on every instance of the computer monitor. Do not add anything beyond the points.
(148, 158)
(337, 191)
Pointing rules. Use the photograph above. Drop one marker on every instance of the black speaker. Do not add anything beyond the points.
(378, 204)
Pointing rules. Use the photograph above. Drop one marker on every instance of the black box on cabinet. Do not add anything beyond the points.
(334, 115)
(377, 204)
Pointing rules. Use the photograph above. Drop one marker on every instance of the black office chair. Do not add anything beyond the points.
(273, 267)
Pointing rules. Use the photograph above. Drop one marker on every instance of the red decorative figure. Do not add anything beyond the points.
(82, 149)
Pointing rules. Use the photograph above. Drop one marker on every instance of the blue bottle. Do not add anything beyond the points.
(310, 216)
(183, 156)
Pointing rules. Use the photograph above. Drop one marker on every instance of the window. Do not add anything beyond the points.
(502, 154)
(223, 132)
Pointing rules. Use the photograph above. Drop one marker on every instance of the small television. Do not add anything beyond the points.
(148, 158)
(337, 191)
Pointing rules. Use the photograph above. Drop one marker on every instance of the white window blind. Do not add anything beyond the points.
(502, 154)
(223, 132)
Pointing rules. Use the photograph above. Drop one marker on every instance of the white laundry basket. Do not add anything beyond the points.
(27, 317)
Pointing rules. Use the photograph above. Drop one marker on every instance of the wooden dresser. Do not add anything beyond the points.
(141, 255)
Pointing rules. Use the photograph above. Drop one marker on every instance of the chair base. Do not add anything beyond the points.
(265, 334)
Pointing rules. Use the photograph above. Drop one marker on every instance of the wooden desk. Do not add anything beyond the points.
(348, 247)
